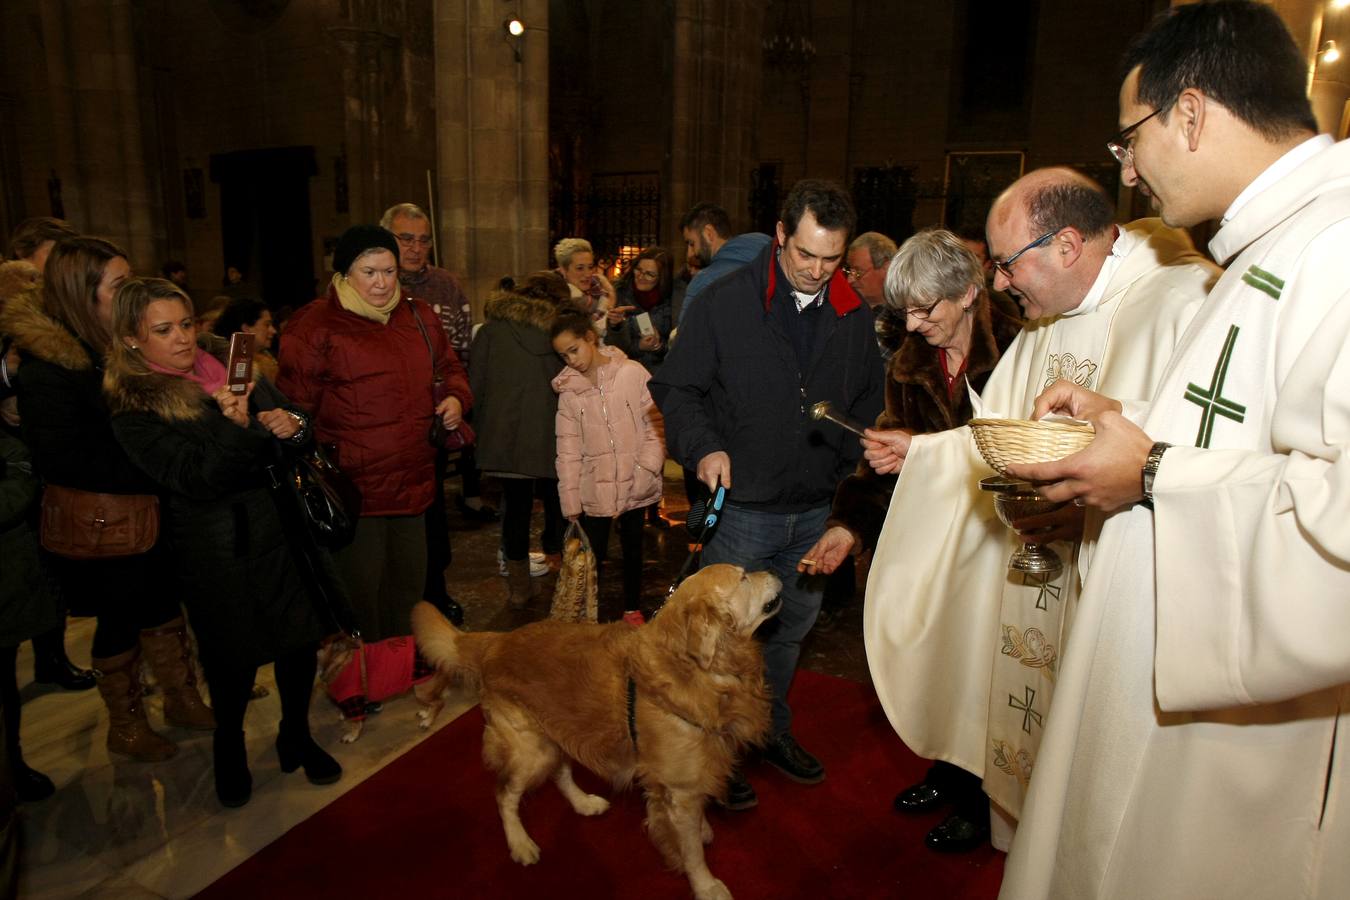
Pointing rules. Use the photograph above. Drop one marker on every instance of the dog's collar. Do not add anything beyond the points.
(632, 710)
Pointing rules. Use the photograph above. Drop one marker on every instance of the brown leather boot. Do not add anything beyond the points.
(521, 585)
(129, 732)
(166, 647)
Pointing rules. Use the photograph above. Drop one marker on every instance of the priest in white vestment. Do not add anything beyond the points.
(962, 652)
(1198, 746)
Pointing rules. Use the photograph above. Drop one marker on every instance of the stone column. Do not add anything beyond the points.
(97, 131)
(492, 142)
(717, 71)
(369, 63)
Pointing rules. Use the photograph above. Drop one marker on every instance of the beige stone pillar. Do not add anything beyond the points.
(717, 72)
(369, 62)
(97, 130)
(491, 142)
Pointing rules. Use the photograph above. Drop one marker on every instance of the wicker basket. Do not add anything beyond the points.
(1007, 442)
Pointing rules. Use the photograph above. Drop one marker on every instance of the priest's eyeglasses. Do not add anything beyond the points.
(1122, 145)
(406, 239)
(1004, 266)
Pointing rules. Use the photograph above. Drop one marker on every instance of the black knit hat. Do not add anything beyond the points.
(357, 240)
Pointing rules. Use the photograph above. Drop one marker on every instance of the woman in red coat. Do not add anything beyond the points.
(363, 360)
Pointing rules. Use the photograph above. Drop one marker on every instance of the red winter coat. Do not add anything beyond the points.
(369, 388)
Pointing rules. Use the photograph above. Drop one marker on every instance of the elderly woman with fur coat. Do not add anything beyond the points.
(213, 452)
(954, 331)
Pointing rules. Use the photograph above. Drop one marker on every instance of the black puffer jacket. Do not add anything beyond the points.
(732, 382)
(511, 369)
(237, 568)
(64, 417)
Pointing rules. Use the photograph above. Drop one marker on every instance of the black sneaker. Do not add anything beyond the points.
(787, 756)
(739, 794)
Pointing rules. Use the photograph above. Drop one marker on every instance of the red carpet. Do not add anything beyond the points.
(427, 825)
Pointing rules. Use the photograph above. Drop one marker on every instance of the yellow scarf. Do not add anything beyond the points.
(354, 302)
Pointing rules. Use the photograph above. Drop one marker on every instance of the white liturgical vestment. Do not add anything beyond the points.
(943, 615)
(1198, 746)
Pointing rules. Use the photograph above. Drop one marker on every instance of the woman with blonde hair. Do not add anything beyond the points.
(62, 332)
(216, 454)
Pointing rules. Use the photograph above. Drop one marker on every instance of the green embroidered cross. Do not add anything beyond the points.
(1264, 281)
(1212, 402)
(1028, 714)
(1047, 588)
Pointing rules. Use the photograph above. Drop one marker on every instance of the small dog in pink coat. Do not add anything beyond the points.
(357, 674)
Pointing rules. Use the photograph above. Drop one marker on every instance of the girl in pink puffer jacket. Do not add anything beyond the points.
(610, 455)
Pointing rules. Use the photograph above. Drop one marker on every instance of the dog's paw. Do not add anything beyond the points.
(351, 736)
(526, 851)
(711, 890)
(425, 717)
(590, 805)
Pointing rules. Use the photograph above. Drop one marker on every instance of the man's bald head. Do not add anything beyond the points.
(1049, 233)
(1055, 198)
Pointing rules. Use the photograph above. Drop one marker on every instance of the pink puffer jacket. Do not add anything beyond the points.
(609, 454)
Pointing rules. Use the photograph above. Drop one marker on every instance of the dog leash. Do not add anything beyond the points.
(702, 516)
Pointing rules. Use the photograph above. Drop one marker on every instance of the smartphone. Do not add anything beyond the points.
(644, 324)
(239, 368)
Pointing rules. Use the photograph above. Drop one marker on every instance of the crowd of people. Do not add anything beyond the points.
(1173, 695)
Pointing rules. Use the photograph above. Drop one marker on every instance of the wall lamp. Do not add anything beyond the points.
(515, 30)
(1329, 53)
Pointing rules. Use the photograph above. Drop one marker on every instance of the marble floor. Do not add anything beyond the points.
(118, 829)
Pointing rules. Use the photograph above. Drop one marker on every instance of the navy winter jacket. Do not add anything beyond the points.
(732, 382)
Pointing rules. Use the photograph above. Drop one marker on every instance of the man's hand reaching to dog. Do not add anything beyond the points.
(828, 553)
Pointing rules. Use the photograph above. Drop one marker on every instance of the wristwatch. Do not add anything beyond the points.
(1150, 471)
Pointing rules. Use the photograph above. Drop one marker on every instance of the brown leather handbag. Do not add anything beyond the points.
(84, 525)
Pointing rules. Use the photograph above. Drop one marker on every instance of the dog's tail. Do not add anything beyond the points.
(444, 645)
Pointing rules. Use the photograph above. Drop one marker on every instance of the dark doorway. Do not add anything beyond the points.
(265, 221)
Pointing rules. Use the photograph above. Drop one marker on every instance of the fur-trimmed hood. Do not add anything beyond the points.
(36, 333)
(171, 397)
(522, 311)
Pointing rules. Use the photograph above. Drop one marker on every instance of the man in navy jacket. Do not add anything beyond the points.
(764, 345)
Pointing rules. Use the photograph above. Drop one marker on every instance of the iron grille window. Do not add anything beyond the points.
(623, 215)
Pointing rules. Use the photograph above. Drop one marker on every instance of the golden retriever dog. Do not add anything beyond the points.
(670, 704)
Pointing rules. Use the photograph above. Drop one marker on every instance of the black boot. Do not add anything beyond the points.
(52, 666)
(234, 782)
(296, 748)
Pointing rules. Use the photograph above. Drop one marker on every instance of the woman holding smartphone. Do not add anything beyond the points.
(210, 448)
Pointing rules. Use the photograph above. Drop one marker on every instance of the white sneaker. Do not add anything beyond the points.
(538, 563)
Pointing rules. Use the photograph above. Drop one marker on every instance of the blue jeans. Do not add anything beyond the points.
(758, 541)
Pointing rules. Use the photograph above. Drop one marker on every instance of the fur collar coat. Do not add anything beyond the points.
(917, 401)
(511, 370)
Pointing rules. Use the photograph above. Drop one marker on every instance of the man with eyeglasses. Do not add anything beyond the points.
(1199, 745)
(952, 639)
(439, 290)
(769, 341)
(865, 268)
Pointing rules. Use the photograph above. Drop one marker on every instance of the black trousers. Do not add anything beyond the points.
(231, 687)
(630, 543)
(439, 553)
(518, 507)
